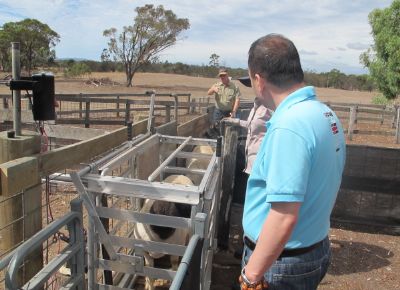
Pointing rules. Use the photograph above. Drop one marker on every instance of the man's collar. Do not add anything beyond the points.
(297, 96)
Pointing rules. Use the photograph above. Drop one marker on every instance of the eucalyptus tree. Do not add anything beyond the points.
(383, 58)
(214, 60)
(154, 29)
(37, 41)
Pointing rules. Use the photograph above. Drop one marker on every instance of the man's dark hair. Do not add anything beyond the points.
(275, 58)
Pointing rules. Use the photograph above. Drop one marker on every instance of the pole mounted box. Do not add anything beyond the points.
(42, 87)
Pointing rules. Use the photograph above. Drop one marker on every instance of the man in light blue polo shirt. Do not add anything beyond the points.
(295, 178)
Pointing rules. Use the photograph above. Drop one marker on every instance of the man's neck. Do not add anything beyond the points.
(278, 94)
(225, 84)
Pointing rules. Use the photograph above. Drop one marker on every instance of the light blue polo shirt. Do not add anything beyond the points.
(301, 159)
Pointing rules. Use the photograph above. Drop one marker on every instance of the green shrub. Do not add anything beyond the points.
(77, 69)
(381, 100)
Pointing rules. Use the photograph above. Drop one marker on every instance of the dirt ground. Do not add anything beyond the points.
(363, 257)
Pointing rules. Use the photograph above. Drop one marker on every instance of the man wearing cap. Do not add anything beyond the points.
(226, 95)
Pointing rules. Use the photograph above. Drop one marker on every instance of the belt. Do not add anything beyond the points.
(286, 252)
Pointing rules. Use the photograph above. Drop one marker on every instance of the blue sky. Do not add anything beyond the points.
(328, 33)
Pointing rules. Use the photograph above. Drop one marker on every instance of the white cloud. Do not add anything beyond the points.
(328, 33)
(358, 46)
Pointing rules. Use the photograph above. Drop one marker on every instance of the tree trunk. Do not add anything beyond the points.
(129, 80)
(129, 74)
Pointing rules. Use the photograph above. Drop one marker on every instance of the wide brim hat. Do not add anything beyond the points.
(245, 81)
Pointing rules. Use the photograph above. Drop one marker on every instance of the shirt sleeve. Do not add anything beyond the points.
(288, 164)
(244, 123)
(238, 94)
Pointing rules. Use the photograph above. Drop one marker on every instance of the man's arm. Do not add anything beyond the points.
(235, 107)
(275, 233)
(212, 90)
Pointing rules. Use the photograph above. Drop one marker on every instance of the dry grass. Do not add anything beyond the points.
(169, 83)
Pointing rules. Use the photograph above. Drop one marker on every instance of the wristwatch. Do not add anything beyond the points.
(245, 283)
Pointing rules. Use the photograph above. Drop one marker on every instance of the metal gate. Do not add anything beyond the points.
(113, 197)
(73, 254)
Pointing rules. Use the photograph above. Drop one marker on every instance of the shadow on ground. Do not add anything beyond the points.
(356, 257)
(352, 261)
(226, 267)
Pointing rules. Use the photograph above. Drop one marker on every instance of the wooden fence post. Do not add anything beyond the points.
(59, 103)
(200, 102)
(383, 114)
(20, 207)
(127, 111)
(5, 103)
(356, 114)
(87, 114)
(80, 105)
(167, 113)
(352, 121)
(176, 109)
(117, 106)
(395, 118)
(188, 101)
(193, 106)
(398, 125)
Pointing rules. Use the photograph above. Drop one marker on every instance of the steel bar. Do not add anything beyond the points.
(168, 160)
(16, 74)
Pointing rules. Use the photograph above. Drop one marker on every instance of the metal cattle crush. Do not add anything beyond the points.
(113, 196)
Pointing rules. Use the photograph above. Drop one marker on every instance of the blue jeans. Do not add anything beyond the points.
(219, 114)
(215, 129)
(302, 272)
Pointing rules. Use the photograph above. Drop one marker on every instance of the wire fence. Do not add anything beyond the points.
(56, 197)
(55, 204)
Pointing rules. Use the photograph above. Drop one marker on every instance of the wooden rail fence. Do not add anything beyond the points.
(119, 109)
(360, 119)
(110, 109)
(35, 166)
(385, 119)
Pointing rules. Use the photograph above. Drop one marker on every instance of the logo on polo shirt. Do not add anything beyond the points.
(334, 127)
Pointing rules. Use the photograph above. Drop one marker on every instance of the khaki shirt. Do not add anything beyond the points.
(226, 96)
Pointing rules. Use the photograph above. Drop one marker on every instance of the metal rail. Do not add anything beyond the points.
(121, 187)
(168, 160)
(74, 252)
(189, 267)
(16, 74)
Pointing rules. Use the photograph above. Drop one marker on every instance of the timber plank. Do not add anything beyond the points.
(73, 154)
(18, 174)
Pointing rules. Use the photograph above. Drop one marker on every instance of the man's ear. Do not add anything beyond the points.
(258, 84)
